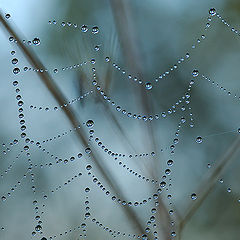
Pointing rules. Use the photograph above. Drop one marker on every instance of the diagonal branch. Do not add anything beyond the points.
(75, 122)
(207, 186)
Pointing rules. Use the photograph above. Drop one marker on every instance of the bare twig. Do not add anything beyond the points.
(207, 186)
(128, 41)
(60, 98)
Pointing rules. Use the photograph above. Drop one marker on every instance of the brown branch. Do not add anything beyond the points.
(60, 98)
(129, 43)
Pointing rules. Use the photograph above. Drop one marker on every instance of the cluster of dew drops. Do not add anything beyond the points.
(148, 85)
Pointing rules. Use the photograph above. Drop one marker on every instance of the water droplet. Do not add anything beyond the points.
(97, 48)
(3, 198)
(36, 41)
(55, 70)
(88, 150)
(11, 39)
(84, 28)
(16, 70)
(195, 73)
(90, 123)
(163, 184)
(221, 180)
(144, 237)
(170, 162)
(87, 190)
(95, 30)
(88, 167)
(212, 11)
(148, 86)
(14, 61)
(199, 140)
(26, 148)
(7, 16)
(38, 228)
(167, 171)
(43, 238)
(194, 196)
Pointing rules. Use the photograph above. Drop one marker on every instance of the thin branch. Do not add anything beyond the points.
(60, 98)
(207, 186)
(128, 40)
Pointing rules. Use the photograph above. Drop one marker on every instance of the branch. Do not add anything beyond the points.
(207, 185)
(60, 98)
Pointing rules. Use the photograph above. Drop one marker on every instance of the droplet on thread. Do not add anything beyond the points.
(84, 28)
(148, 86)
(195, 73)
(36, 41)
(199, 139)
(212, 11)
(194, 196)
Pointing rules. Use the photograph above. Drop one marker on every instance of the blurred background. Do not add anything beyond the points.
(198, 199)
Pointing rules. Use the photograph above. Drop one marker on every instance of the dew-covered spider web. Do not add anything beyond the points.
(101, 144)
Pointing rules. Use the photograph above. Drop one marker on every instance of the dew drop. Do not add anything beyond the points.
(36, 41)
(95, 30)
(88, 167)
(88, 150)
(170, 162)
(97, 48)
(199, 140)
(90, 123)
(144, 237)
(7, 16)
(148, 86)
(16, 70)
(55, 70)
(195, 73)
(163, 184)
(84, 28)
(3, 198)
(221, 180)
(212, 11)
(38, 228)
(26, 148)
(194, 196)
(14, 61)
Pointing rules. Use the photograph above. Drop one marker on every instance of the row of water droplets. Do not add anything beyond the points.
(148, 86)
